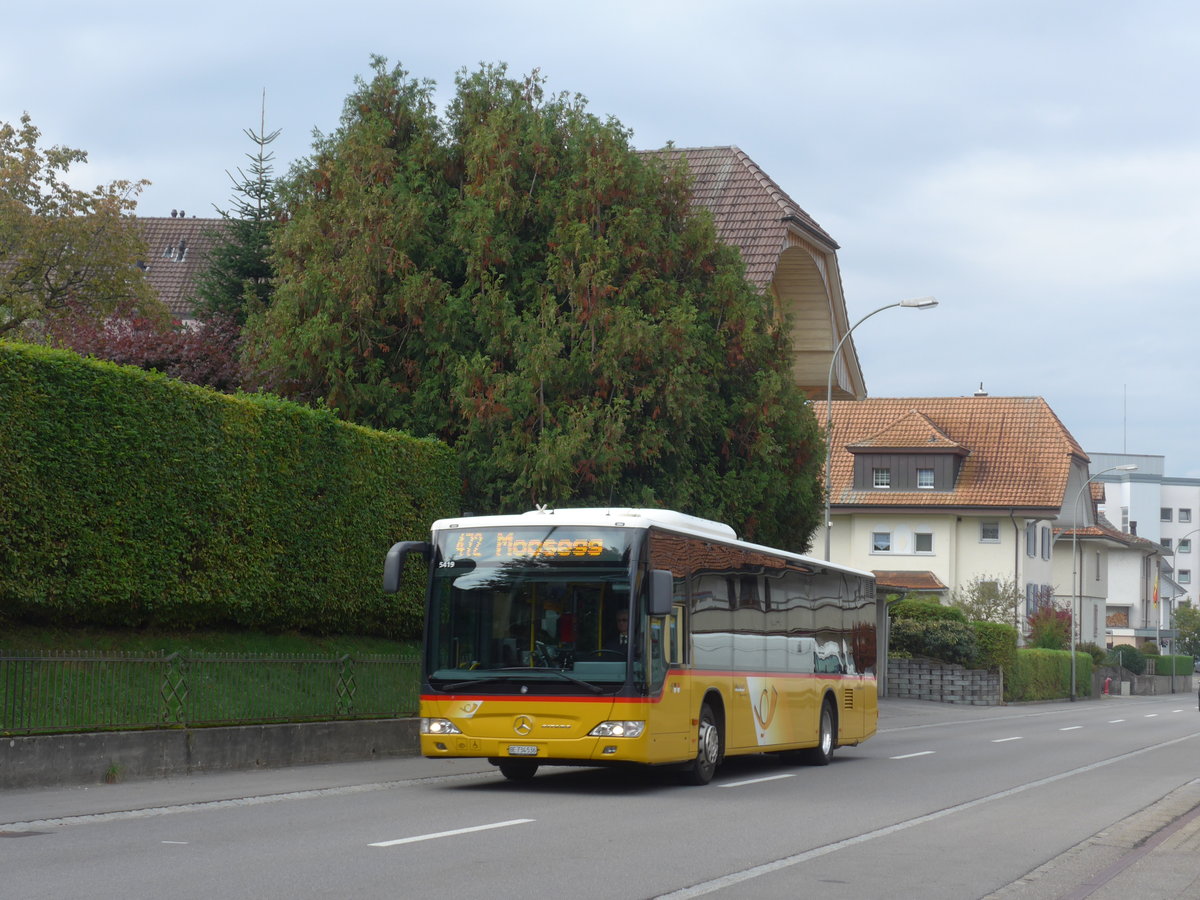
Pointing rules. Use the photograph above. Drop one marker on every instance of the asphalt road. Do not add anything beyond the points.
(945, 802)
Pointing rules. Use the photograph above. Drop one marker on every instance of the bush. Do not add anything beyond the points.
(997, 646)
(1128, 657)
(925, 611)
(1150, 648)
(1095, 651)
(952, 642)
(1050, 628)
(1046, 675)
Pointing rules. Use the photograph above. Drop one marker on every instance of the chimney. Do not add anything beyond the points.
(981, 392)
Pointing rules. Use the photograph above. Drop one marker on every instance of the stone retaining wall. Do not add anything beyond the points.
(58, 759)
(923, 679)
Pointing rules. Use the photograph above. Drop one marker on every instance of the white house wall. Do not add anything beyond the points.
(958, 556)
(1093, 574)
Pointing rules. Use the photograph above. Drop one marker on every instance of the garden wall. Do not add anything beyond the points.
(923, 679)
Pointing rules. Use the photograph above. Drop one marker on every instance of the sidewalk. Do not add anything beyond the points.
(1152, 855)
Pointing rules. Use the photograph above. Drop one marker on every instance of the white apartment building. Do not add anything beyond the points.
(1164, 510)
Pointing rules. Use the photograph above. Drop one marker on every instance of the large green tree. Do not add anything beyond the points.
(1187, 620)
(516, 279)
(63, 251)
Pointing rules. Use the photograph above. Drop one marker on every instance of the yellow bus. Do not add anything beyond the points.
(591, 637)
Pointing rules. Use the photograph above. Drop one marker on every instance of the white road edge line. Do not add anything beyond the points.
(911, 755)
(1115, 721)
(456, 831)
(757, 780)
(717, 884)
(1006, 740)
(1071, 728)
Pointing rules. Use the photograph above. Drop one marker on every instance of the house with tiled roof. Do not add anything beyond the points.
(178, 249)
(1108, 576)
(788, 257)
(932, 493)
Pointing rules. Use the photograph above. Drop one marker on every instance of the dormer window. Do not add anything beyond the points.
(925, 479)
(881, 478)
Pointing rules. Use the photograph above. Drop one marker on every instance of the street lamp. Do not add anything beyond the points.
(1074, 558)
(918, 303)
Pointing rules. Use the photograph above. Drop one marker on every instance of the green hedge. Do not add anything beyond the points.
(130, 499)
(997, 645)
(925, 611)
(1046, 675)
(1184, 665)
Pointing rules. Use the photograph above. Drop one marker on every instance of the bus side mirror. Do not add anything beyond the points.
(662, 592)
(393, 565)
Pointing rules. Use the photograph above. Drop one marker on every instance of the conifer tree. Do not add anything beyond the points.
(519, 281)
(239, 275)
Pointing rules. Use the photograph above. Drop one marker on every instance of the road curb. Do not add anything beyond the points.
(98, 757)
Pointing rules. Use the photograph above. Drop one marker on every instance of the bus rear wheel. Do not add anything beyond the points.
(821, 754)
(700, 770)
(517, 769)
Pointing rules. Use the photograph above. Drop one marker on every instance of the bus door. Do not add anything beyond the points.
(669, 704)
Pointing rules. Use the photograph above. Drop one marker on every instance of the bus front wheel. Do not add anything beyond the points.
(517, 769)
(700, 770)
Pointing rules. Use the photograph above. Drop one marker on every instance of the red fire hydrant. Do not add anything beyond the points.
(1107, 685)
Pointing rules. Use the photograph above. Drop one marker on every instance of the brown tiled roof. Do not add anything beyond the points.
(178, 253)
(1105, 529)
(1018, 452)
(908, 581)
(912, 432)
(750, 210)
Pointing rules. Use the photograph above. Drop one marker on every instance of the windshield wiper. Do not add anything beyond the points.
(513, 675)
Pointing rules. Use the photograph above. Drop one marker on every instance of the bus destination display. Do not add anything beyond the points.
(505, 544)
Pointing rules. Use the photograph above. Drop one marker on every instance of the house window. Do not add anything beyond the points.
(1166, 542)
(924, 542)
(1045, 542)
(989, 532)
(1164, 514)
(1185, 515)
(881, 542)
(1125, 519)
(1185, 546)
(881, 478)
(1097, 565)
(1031, 539)
(925, 479)
(1185, 576)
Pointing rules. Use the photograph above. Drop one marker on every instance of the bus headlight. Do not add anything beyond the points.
(438, 726)
(627, 729)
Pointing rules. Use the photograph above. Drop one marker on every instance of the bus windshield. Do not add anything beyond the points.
(542, 606)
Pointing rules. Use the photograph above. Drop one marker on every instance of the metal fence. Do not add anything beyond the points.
(53, 691)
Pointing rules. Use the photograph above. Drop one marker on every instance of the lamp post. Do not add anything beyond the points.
(918, 303)
(1075, 556)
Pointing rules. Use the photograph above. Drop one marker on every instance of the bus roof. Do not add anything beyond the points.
(628, 518)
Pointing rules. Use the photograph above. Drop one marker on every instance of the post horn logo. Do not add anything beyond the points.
(522, 725)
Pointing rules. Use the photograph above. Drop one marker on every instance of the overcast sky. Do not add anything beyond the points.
(1033, 164)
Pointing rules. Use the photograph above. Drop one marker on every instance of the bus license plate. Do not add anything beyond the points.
(522, 750)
